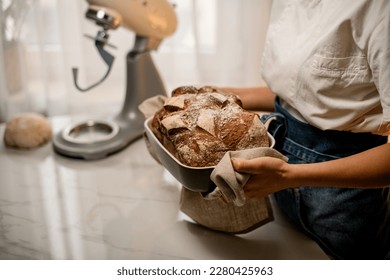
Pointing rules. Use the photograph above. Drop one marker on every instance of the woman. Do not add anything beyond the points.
(328, 65)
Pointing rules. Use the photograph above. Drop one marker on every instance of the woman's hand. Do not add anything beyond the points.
(368, 169)
(268, 175)
(255, 99)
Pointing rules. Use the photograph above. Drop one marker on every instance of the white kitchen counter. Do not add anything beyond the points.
(121, 207)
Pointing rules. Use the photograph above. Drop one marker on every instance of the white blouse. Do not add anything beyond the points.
(329, 61)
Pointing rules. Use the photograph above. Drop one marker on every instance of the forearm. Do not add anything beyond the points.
(368, 169)
(255, 98)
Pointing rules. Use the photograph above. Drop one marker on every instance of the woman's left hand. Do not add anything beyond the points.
(268, 175)
(368, 169)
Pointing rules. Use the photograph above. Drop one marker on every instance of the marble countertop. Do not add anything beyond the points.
(125, 206)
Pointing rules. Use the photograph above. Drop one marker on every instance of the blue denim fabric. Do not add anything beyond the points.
(346, 223)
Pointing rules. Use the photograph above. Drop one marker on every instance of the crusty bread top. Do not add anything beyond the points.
(199, 125)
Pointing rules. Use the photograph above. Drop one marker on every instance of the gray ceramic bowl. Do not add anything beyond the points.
(196, 179)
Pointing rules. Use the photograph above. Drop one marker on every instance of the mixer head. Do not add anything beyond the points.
(153, 19)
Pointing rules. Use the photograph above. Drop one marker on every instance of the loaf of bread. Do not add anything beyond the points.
(199, 125)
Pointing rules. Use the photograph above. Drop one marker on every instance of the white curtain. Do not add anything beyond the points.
(218, 42)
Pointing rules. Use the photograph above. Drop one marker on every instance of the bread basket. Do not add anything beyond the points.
(196, 179)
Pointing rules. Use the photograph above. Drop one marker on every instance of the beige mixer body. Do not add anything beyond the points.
(150, 18)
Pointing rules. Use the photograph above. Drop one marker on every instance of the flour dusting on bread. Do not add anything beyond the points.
(199, 125)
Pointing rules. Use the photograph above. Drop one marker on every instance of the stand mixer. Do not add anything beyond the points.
(152, 21)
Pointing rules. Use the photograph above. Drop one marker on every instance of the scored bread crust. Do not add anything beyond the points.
(199, 125)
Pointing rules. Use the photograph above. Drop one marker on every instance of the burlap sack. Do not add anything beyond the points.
(225, 216)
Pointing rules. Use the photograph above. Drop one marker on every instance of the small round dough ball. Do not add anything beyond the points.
(27, 130)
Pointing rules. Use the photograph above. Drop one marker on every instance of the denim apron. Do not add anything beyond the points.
(346, 223)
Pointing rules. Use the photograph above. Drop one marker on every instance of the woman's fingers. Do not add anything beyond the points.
(267, 175)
